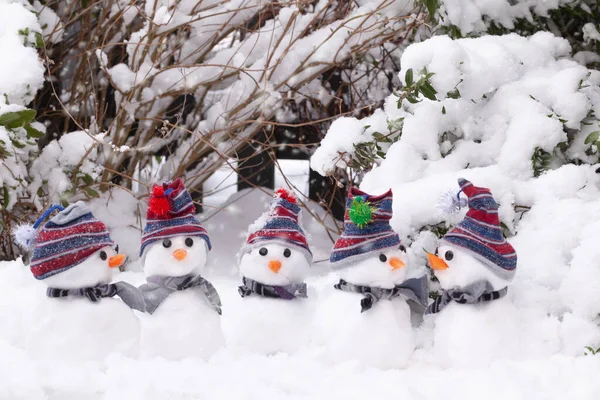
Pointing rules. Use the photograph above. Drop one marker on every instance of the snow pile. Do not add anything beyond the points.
(517, 95)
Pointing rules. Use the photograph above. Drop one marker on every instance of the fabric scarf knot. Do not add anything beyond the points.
(288, 292)
(414, 289)
(128, 293)
(478, 292)
(158, 288)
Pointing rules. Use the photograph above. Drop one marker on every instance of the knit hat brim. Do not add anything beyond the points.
(363, 251)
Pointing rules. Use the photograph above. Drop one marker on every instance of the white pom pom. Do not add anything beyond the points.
(25, 236)
(450, 203)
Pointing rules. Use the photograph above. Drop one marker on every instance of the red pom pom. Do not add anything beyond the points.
(284, 194)
(158, 203)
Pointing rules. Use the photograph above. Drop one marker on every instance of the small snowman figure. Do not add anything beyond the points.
(273, 313)
(184, 308)
(73, 255)
(474, 265)
(367, 318)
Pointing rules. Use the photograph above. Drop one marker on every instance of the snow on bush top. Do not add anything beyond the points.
(21, 71)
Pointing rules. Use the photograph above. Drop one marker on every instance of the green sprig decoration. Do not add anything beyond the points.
(361, 212)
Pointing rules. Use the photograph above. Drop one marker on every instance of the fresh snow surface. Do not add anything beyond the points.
(550, 366)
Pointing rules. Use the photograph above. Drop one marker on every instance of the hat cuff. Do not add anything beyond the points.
(502, 273)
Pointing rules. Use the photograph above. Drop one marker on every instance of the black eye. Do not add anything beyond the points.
(382, 258)
(287, 253)
(166, 243)
(402, 248)
(116, 248)
(189, 242)
(449, 255)
(263, 251)
(103, 255)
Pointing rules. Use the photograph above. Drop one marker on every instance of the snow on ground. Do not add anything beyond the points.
(561, 372)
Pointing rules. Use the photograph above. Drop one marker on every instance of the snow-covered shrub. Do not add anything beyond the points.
(499, 103)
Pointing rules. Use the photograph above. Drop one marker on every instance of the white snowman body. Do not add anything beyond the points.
(76, 329)
(268, 325)
(184, 324)
(381, 336)
(472, 335)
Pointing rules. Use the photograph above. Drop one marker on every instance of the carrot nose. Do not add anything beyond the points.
(396, 263)
(436, 263)
(180, 254)
(116, 261)
(275, 265)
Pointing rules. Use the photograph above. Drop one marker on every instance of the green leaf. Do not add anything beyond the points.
(5, 197)
(87, 179)
(592, 137)
(411, 99)
(39, 40)
(381, 138)
(408, 77)
(428, 91)
(17, 144)
(432, 6)
(33, 133)
(381, 154)
(443, 109)
(16, 119)
(91, 192)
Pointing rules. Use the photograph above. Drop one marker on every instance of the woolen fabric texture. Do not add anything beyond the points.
(66, 240)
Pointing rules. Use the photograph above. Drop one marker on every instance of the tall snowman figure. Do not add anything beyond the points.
(474, 264)
(79, 321)
(273, 312)
(366, 317)
(185, 307)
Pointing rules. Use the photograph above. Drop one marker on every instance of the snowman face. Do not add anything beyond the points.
(456, 268)
(178, 256)
(95, 270)
(274, 264)
(385, 269)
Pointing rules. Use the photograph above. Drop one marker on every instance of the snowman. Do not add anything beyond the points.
(73, 256)
(474, 264)
(273, 311)
(183, 308)
(367, 317)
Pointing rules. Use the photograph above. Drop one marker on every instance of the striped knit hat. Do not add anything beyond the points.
(480, 233)
(366, 228)
(279, 225)
(170, 214)
(67, 240)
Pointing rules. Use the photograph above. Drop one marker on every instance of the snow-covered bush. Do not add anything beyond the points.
(512, 113)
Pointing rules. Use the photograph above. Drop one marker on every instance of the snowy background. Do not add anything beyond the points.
(503, 93)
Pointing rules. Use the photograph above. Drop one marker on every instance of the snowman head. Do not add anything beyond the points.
(384, 269)
(456, 268)
(176, 256)
(275, 264)
(95, 270)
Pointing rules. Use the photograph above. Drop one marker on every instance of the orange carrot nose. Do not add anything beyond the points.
(180, 254)
(396, 263)
(116, 261)
(436, 263)
(275, 265)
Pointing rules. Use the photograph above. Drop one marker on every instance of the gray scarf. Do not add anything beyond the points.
(477, 292)
(414, 289)
(288, 292)
(158, 288)
(128, 293)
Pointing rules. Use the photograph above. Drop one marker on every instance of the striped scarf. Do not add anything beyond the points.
(128, 293)
(478, 292)
(288, 292)
(158, 288)
(414, 289)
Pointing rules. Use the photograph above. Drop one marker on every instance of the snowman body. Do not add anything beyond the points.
(472, 335)
(76, 329)
(381, 336)
(184, 324)
(265, 325)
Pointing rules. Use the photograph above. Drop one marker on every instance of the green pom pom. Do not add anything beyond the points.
(361, 212)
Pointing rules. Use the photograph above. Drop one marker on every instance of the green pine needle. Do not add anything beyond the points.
(361, 212)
